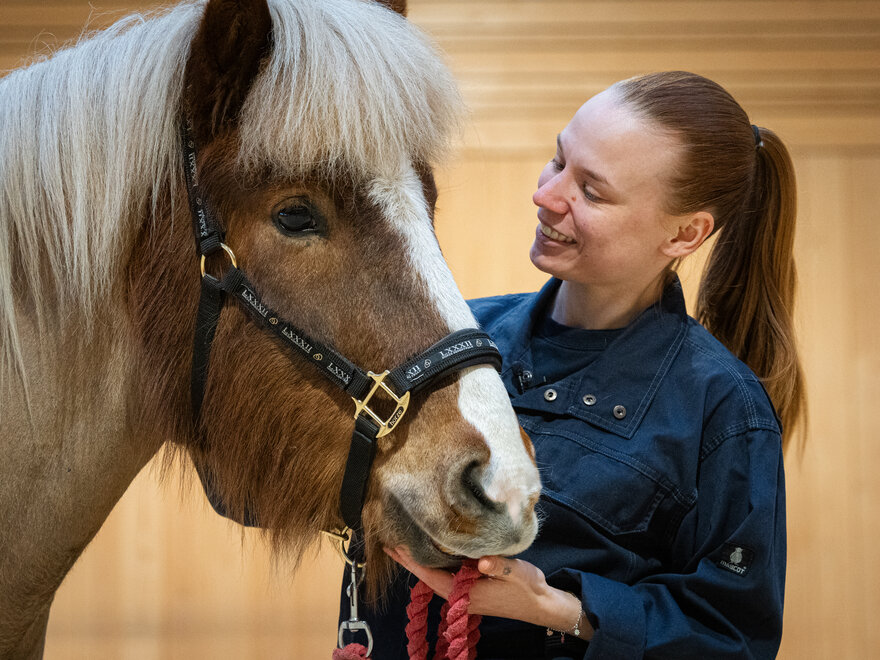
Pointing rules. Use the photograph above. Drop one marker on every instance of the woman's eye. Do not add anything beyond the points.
(295, 218)
(557, 165)
(590, 195)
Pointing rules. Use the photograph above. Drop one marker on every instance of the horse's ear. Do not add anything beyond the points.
(397, 5)
(225, 55)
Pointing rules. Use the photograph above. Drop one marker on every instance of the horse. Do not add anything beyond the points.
(317, 123)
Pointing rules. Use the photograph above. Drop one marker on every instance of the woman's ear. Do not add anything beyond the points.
(688, 233)
(232, 39)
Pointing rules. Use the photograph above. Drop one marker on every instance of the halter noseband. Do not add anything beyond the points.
(454, 352)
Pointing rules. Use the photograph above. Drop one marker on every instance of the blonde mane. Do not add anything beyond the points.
(88, 138)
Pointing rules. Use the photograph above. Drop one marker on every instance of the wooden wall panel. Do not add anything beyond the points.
(834, 508)
(166, 578)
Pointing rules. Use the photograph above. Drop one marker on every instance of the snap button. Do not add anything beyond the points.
(589, 400)
(550, 395)
(619, 412)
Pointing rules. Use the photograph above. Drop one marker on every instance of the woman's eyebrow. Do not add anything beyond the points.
(598, 178)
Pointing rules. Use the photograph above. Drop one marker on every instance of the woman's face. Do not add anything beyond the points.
(601, 199)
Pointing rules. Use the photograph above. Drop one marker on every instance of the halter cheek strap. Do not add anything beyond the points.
(454, 352)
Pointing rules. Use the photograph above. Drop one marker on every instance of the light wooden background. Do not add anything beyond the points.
(166, 578)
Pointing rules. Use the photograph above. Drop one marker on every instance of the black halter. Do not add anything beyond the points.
(456, 351)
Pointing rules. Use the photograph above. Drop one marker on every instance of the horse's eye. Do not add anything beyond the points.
(295, 217)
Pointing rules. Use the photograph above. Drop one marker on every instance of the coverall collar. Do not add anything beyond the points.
(615, 390)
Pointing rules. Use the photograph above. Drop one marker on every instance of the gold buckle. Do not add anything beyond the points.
(386, 425)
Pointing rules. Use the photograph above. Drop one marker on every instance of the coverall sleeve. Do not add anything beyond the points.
(724, 599)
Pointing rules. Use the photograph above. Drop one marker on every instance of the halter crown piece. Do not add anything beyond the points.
(454, 352)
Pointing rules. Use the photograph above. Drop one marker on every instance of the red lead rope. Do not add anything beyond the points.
(459, 632)
(351, 652)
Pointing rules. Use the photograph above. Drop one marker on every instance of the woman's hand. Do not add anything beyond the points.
(510, 588)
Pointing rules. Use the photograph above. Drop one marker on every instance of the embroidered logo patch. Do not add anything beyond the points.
(736, 558)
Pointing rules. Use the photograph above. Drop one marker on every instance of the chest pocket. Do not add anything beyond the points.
(613, 490)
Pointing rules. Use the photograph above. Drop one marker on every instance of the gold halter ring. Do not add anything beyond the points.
(227, 251)
(340, 538)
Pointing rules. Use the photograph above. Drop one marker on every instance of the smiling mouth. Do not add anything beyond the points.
(551, 233)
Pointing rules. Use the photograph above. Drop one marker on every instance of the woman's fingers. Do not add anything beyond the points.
(514, 589)
(440, 581)
(496, 567)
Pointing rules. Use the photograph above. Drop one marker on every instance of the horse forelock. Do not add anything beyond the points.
(349, 87)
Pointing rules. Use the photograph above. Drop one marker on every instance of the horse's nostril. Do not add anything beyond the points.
(471, 481)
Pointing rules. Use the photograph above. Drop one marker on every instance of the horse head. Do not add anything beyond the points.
(317, 124)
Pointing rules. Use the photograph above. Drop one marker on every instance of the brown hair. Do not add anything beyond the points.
(744, 177)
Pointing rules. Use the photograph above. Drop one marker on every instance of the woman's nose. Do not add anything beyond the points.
(549, 194)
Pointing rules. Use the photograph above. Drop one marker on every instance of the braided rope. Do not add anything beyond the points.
(459, 632)
(442, 650)
(417, 626)
(351, 652)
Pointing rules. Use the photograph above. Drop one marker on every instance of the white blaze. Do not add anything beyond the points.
(511, 478)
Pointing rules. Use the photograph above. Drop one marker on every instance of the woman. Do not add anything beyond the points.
(663, 530)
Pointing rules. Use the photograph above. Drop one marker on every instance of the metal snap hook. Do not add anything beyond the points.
(353, 623)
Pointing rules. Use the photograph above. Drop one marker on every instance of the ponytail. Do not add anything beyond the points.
(747, 292)
(743, 176)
